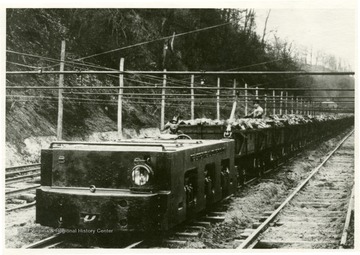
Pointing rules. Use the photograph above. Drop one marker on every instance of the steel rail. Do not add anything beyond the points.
(21, 172)
(21, 166)
(21, 206)
(347, 221)
(8, 180)
(183, 72)
(249, 242)
(134, 245)
(44, 243)
(17, 191)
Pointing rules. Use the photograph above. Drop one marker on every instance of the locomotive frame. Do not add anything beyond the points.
(97, 185)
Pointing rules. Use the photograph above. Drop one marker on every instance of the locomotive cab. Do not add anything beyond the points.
(132, 185)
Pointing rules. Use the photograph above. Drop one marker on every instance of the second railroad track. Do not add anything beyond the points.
(316, 214)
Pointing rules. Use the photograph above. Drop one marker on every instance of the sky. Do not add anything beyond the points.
(330, 30)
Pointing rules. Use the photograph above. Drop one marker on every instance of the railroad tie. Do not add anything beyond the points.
(279, 244)
(187, 234)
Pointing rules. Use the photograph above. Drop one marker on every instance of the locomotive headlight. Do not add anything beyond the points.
(141, 174)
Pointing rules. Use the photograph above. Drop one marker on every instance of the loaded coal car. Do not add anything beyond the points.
(262, 144)
(137, 185)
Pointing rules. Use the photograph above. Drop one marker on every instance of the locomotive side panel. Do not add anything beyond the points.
(200, 177)
(103, 169)
(136, 189)
(96, 188)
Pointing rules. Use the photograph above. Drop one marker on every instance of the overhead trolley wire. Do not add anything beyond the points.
(151, 41)
(155, 40)
(171, 87)
(18, 64)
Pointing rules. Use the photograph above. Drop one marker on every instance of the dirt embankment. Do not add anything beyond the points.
(30, 149)
(31, 125)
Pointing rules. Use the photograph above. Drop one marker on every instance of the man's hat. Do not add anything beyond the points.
(174, 120)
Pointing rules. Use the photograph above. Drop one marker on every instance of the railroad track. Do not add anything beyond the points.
(66, 240)
(19, 193)
(189, 233)
(182, 236)
(20, 173)
(317, 213)
(46, 243)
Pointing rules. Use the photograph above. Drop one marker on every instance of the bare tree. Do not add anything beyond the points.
(264, 32)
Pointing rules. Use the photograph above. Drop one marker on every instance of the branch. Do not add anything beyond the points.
(264, 32)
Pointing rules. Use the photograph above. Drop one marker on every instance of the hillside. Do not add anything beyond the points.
(148, 39)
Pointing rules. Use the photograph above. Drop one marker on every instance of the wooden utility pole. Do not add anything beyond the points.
(265, 104)
(233, 110)
(297, 106)
(234, 91)
(281, 102)
(162, 121)
(246, 100)
(61, 85)
(218, 100)
(274, 103)
(311, 108)
(120, 97)
(192, 98)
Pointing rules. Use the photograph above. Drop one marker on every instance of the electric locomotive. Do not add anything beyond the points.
(134, 185)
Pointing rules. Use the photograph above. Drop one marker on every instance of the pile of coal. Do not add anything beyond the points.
(267, 122)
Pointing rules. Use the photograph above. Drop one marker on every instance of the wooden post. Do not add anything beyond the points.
(120, 97)
(307, 107)
(297, 106)
(314, 108)
(60, 100)
(274, 103)
(192, 98)
(162, 121)
(292, 105)
(234, 91)
(281, 102)
(257, 93)
(234, 86)
(246, 100)
(302, 106)
(286, 102)
(233, 110)
(218, 100)
(265, 104)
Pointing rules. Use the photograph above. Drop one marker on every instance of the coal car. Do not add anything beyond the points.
(137, 185)
(259, 149)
